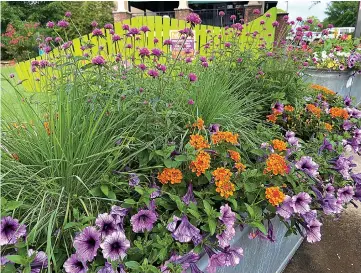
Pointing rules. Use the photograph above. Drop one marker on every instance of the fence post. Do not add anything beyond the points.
(122, 12)
(183, 10)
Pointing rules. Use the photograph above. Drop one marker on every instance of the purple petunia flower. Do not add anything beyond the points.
(228, 217)
(326, 145)
(313, 231)
(192, 77)
(155, 193)
(285, 209)
(329, 188)
(194, 19)
(106, 224)
(290, 134)
(189, 196)
(75, 265)
(345, 194)
(307, 165)
(98, 60)
(347, 125)
(331, 205)
(143, 220)
(344, 165)
(227, 257)
(183, 231)
(11, 230)
(225, 238)
(279, 107)
(300, 202)
(357, 178)
(40, 261)
(115, 246)
(87, 243)
(347, 101)
(63, 24)
(133, 180)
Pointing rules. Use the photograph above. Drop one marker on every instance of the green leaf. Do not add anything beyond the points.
(70, 225)
(207, 207)
(104, 189)
(130, 201)
(168, 163)
(181, 158)
(139, 190)
(212, 226)
(132, 264)
(194, 213)
(9, 268)
(260, 226)
(250, 210)
(112, 195)
(208, 176)
(17, 259)
(11, 205)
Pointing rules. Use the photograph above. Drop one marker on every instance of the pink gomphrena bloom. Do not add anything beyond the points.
(305, 64)
(261, 22)
(142, 67)
(144, 52)
(63, 24)
(125, 27)
(227, 44)
(275, 24)
(108, 26)
(285, 18)
(66, 45)
(320, 25)
(86, 55)
(299, 19)
(292, 23)
(156, 52)
(325, 32)
(188, 60)
(153, 73)
(98, 60)
(111, 31)
(141, 90)
(50, 24)
(128, 46)
(268, 15)
(35, 63)
(144, 29)
(167, 42)
(209, 31)
(309, 34)
(190, 102)
(44, 63)
(269, 54)
(205, 64)
(219, 36)
(155, 40)
(162, 67)
(233, 17)
(221, 13)
(256, 12)
(192, 77)
(330, 26)
(226, 27)
(206, 45)
(193, 19)
(306, 27)
(48, 39)
(68, 14)
(94, 23)
(134, 31)
(33, 69)
(310, 21)
(137, 38)
(115, 37)
(97, 32)
(57, 39)
(101, 48)
(11, 76)
(238, 26)
(202, 59)
(47, 49)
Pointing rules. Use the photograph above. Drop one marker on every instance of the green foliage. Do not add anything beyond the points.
(342, 13)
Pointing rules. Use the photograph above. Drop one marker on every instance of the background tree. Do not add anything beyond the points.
(342, 14)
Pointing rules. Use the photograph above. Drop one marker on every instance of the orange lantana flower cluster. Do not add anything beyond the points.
(314, 110)
(289, 108)
(240, 167)
(337, 112)
(199, 124)
(328, 127)
(275, 196)
(276, 164)
(201, 163)
(323, 89)
(224, 185)
(198, 142)
(224, 136)
(172, 175)
(234, 155)
(279, 145)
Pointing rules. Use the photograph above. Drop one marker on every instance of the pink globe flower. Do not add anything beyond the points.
(192, 77)
(98, 60)
(221, 13)
(155, 40)
(299, 19)
(68, 14)
(94, 24)
(194, 19)
(50, 24)
(108, 26)
(233, 17)
(190, 102)
(275, 24)
(256, 12)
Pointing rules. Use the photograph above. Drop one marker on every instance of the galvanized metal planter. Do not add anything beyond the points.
(261, 256)
(342, 82)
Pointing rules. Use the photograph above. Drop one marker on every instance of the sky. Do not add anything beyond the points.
(304, 8)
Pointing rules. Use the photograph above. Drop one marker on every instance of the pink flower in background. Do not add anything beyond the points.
(68, 14)
(221, 13)
(155, 40)
(256, 12)
(299, 19)
(98, 60)
(125, 27)
(275, 24)
(192, 77)
(108, 26)
(194, 19)
(233, 17)
(144, 29)
(63, 24)
(50, 24)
